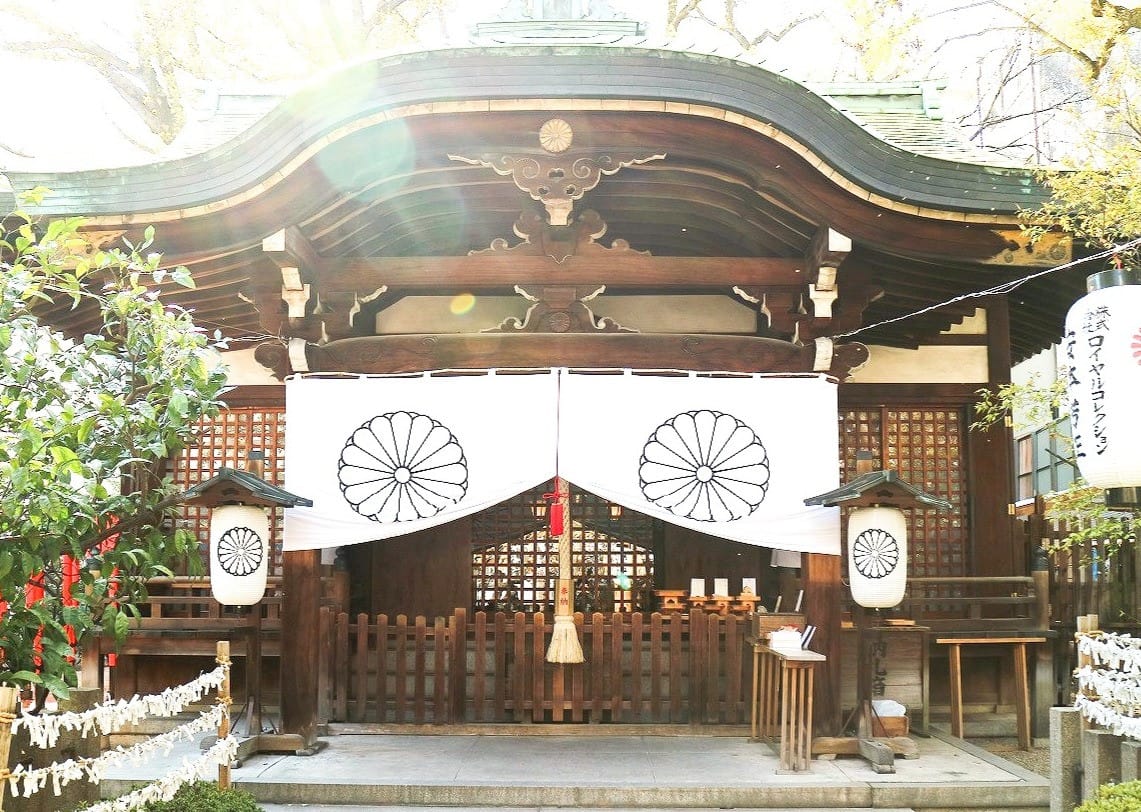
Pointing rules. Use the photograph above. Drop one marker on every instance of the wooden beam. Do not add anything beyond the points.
(615, 271)
(415, 353)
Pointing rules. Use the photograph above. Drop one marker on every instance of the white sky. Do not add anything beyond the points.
(66, 118)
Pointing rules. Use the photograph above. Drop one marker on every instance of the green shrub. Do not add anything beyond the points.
(1114, 798)
(204, 796)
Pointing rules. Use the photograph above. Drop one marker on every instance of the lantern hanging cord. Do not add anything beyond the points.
(1005, 287)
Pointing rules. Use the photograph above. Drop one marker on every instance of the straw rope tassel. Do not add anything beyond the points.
(565, 647)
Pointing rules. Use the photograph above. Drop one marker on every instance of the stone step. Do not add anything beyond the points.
(357, 808)
(585, 771)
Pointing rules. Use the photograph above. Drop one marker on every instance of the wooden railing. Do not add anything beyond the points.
(492, 668)
(987, 603)
(183, 613)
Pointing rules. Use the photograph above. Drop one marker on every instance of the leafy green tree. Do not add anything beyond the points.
(85, 422)
(1097, 189)
(1096, 198)
(1079, 507)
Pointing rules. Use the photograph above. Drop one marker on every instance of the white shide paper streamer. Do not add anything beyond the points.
(44, 731)
(1110, 686)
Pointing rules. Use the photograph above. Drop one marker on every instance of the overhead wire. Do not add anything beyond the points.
(1003, 288)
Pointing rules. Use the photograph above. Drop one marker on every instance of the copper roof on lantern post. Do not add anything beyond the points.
(883, 488)
(232, 486)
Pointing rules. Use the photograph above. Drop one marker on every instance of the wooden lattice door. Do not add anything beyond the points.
(515, 561)
(926, 447)
(227, 440)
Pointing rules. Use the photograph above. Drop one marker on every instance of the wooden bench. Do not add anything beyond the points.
(782, 686)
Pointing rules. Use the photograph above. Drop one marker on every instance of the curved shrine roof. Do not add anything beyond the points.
(754, 165)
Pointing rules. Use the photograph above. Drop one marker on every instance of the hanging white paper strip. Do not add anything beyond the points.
(1110, 686)
(104, 719)
(62, 773)
(730, 457)
(224, 751)
(383, 457)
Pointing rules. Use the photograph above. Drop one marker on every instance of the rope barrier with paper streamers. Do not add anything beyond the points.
(45, 731)
(1109, 682)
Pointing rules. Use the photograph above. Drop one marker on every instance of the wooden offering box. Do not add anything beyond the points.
(765, 622)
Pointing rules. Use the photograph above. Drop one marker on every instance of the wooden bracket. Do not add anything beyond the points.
(1045, 251)
(579, 238)
(557, 181)
(822, 300)
(826, 253)
(295, 299)
(559, 309)
(289, 250)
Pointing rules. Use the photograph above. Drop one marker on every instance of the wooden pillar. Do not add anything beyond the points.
(991, 466)
(822, 594)
(300, 640)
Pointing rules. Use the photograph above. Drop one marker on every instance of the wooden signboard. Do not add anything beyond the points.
(897, 656)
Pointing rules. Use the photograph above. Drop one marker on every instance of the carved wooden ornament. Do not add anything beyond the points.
(561, 176)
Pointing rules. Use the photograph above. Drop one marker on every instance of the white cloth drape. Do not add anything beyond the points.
(730, 457)
(382, 457)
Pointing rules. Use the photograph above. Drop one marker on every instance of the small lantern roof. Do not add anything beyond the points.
(232, 486)
(879, 488)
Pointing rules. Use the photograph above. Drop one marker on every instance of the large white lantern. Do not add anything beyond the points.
(877, 556)
(239, 530)
(1102, 350)
(239, 554)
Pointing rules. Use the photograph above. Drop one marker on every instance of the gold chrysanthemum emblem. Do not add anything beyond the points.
(555, 135)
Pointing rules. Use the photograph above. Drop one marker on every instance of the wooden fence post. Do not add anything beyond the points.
(223, 659)
(8, 699)
(458, 667)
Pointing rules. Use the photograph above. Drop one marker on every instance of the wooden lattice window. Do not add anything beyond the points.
(515, 562)
(227, 440)
(925, 446)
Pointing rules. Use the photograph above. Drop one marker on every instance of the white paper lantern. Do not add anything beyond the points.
(239, 554)
(877, 556)
(1102, 350)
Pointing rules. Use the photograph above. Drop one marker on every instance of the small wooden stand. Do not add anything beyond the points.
(670, 600)
(254, 740)
(698, 603)
(1021, 685)
(784, 680)
(744, 604)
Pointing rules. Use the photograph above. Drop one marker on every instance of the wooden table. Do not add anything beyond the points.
(1021, 685)
(782, 684)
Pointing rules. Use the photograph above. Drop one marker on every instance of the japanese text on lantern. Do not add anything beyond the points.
(1095, 329)
(1073, 385)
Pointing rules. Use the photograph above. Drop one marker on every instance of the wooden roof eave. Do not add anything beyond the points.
(505, 79)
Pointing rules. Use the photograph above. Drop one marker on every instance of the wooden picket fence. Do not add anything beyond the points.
(492, 668)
